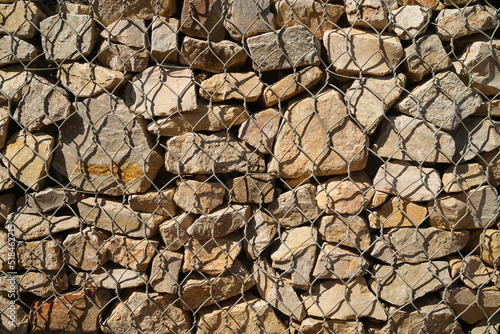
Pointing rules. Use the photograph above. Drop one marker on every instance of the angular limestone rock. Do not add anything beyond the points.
(258, 234)
(335, 262)
(221, 222)
(227, 86)
(199, 197)
(406, 138)
(165, 272)
(164, 37)
(398, 212)
(459, 22)
(288, 48)
(378, 199)
(87, 249)
(370, 97)
(463, 177)
(426, 4)
(48, 199)
(4, 124)
(245, 19)
(38, 283)
(67, 36)
(326, 326)
(368, 13)
(252, 188)
(159, 202)
(29, 227)
(410, 21)
(40, 254)
(474, 273)
(109, 11)
(323, 142)
(418, 184)
(132, 33)
(7, 204)
(14, 50)
(124, 159)
(194, 153)
(355, 51)
(6, 182)
(260, 129)
(28, 156)
(490, 247)
(472, 305)
(20, 19)
(349, 231)
(173, 231)
(112, 277)
(382, 250)
(161, 91)
(122, 58)
(491, 164)
(475, 136)
(20, 324)
(12, 81)
(131, 253)
(202, 19)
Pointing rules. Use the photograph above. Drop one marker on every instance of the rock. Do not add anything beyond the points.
(132, 33)
(131, 253)
(444, 101)
(423, 244)
(14, 50)
(472, 305)
(147, 312)
(424, 56)
(325, 142)
(410, 21)
(221, 222)
(214, 57)
(20, 19)
(406, 138)
(14, 320)
(12, 81)
(202, 19)
(84, 80)
(368, 13)
(70, 312)
(240, 316)
(7, 203)
(40, 254)
(474, 273)
(86, 249)
(463, 177)
(458, 22)
(30, 227)
(490, 247)
(37, 283)
(455, 262)
(122, 58)
(419, 184)
(489, 325)
(67, 36)
(123, 143)
(202, 290)
(378, 199)
(165, 272)
(73, 8)
(346, 230)
(291, 85)
(199, 197)
(289, 48)
(226, 86)
(109, 11)
(161, 91)
(316, 17)
(6, 181)
(426, 4)
(325, 326)
(159, 202)
(335, 262)
(398, 212)
(382, 250)
(369, 98)
(260, 129)
(221, 152)
(28, 156)
(334, 299)
(359, 51)
(464, 210)
(477, 135)
(114, 216)
(208, 117)
(491, 164)
(245, 19)
(296, 254)
(296, 207)
(213, 256)
(164, 37)
(4, 124)
(345, 194)
(49, 199)
(4, 253)
(113, 278)
(490, 108)
(458, 3)
(258, 234)
(403, 283)
(173, 231)
(43, 103)
(252, 188)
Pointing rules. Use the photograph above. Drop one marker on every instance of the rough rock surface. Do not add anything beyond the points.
(121, 58)
(368, 13)
(458, 22)
(14, 50)
(164, 38)
(202, 19)
(475, 136)
(260, 129)
(173, 231)
(227, 86)
(40, 255)
(159, 202)
(20, 18)
(335, 262)
(165, 272)
(35, 226)
(199, 197)
(463, 177)
(245, 19)
(109, 11)
(349, 231)
(48, 199)
(410, 21)
(131, 253)
(87, 249)
(471, 305)
(252, 188)
(221, 222)
(398, 212)
(259, 233)
(132, 33)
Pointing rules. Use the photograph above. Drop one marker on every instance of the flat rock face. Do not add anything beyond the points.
(398, 212)
(202, 19)
(349, 231)
(323, 142)
(259, 233)
(417, 184)
(67, 37)
(131, 253)
(253, 188)
(335, 300)
(221, 222)
(291, 47)
(122, 58)
(406, 138)
(164, 39)
(368, 13)
(248, 18)
(159, 202)
(463, 177)
(20, 18)
(357, 51)
(477, 135)
(227, 86)
(490, 247)
(443, 102)
(12, 81)
(147, 313)
(465, 210)
(28, 156)
(48, 199)
(38, 283)
(113, 277)
(87, 249)
(474, 273)
(410, 21)
(194, 153)
(165, 272)
(40, 254)
(326, 326)
(161, 91)
(131, 33)
(335, 262)
(471, 305)
(29, 227)
(458, 22)
(199, 197)
(403, 283)
(14, 50)
(109, 11)
(123, 142)
(173, 231)
(4, 124)
(491, 164)
(260, 129)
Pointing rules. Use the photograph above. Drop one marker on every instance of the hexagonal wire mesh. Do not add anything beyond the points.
(249, 166)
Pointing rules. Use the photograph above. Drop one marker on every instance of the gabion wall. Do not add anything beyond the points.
(249, 166)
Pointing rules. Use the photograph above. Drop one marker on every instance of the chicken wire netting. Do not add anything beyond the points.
(249, 166)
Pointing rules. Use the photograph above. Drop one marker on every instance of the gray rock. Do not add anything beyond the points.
(368, 13)
(164, 38)
(473, 272)
(122, 58)
(132, 33)
(14, 50)
(248, 18)
(476, 135)
(410, 21)
(165, 272)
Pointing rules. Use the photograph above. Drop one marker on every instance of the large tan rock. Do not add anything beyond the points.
(14, 320)
(12, 81)
(199, 197)
(37, 283)
(159, 202)
(174, 231)
(326, 326)
(6, 181)
(459, 22)
(221, 222)
(28, 157)
(164, 38)
(4, 252)
(128, 32)
(475, 136)
(227, 86)
(323, 142)
(221, 152)
(48, 199)
(248, 18)
(370, 97)
(122, 58)
(355, 51)
(346, 230)
(426, 4)
(165, 272)
(4, 123)
(368, 13)
(443, 101)
(335, 262)
(463, 177)
(20, 19)
(473, 272)
(125, 159)
(131, 253)
(252, 188)
(490, 247)
(491, 164)
(472, 305)
(407, 138)
(112, 277)
(15, 50)
(41, 254)
(30, 227)
(291, 48)
(86, 249)
(109, 11)
(410, 21)
(398, 212)
(259, 233)
(260, 129)
(161, 91)
(202, 19)
(7, 204)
